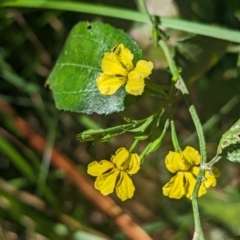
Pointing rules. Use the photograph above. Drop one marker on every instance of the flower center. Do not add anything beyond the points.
(124, 166)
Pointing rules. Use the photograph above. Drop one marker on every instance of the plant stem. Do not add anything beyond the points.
(183, 88)
(174, 138)
(135, 143)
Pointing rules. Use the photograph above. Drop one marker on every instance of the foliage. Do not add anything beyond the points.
(50, 57)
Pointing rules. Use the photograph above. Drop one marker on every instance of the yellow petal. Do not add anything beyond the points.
(112, 66)
(191, 155)
(216, 172)
(121, 159)
(97, 168)
(174, 162)
(175, 187)
(190, 184)
(144, 68)
(195, 170)
(108, 85)
(105, 183)
(134, 164)
(211, 176)
(125, 187)
(135, 84)
(125, 56)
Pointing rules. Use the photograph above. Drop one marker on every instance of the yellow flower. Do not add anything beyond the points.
(184, 165)
(118, 69)
(116, 173)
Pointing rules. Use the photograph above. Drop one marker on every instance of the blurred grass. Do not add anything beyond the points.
(103, 10)
(18, 161)
(23, 71)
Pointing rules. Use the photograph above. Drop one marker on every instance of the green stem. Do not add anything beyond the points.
(144, 152)
(213, 161)
(198, 235)
(174, 138)
(183, 88)
(180, 84)
(135, 143)
(200, 134)
(155, 144)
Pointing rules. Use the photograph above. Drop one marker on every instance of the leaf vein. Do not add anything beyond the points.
(75, 92)
(79, 65)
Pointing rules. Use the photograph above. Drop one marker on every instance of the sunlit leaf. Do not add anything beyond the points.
(73, 79)
(229, 145)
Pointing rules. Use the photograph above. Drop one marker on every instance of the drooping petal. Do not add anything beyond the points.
(108, 85)
(134, 164)
(174, 162)
(216, 172)
(144, 68)
(135, 84)
(124, 56)
(111, 65)
(97, 168)
(211, 176)
(175, 187)
(190, 184)
(121, 159)
(191, 155)
(125, 187)
(105, 183)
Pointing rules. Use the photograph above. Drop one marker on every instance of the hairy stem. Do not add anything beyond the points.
(180, 84)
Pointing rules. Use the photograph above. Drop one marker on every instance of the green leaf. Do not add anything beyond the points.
(233, 153)
(73, 79)
(229, 145)
(158, 141)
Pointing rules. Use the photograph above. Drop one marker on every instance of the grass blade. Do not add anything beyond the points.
(17, 160)
(178, 24)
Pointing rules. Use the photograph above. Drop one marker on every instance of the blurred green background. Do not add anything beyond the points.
(38, 201)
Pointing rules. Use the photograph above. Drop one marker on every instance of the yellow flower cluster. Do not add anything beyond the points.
(118, 69)
(115, 174)
(184, 165)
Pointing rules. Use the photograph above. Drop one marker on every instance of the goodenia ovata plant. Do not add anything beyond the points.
(102, 70)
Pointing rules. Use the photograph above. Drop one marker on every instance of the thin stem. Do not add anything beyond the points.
(198, 235)
(144, 152)
(135, 143)
(213, 161)
(174, 138)
(198, 125)
(183, 88)
(180, 84)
